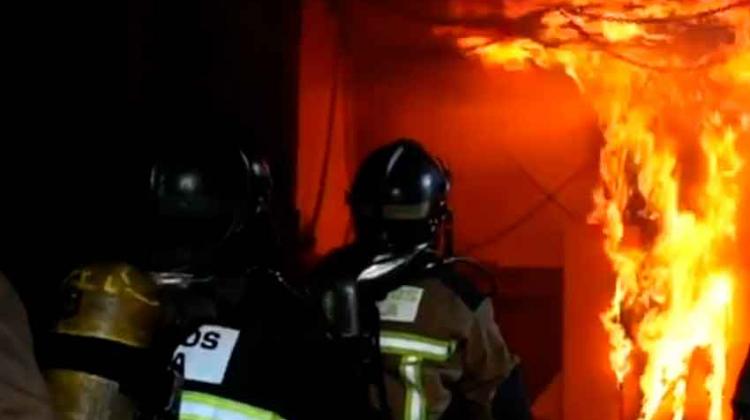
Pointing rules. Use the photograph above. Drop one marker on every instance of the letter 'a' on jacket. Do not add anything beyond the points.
(256, 360)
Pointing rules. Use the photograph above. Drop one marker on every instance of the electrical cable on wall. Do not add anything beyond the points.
(503, 232)
(328, 149)
(581, 11)
(550, 196)
(496, 26)
(336, 70)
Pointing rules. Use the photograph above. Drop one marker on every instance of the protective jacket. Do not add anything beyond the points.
(443, 355)
(256, 359)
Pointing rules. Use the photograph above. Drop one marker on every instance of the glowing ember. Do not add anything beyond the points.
(670, 81)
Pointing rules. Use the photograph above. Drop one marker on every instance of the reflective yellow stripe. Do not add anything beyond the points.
(415, 405)
(199, 406)
(414, 349)
(193, 417)
(405, 344)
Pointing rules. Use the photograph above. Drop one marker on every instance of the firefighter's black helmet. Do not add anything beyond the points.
(399, 197)
(203, 198)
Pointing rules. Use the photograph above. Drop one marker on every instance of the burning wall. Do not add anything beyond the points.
(670, 82)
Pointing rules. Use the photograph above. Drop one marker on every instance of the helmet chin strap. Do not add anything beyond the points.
(201, 263)
(239, 221)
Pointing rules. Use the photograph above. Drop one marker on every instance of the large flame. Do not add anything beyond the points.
(670, 82)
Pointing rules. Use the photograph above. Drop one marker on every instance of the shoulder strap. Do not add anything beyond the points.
(460, 285)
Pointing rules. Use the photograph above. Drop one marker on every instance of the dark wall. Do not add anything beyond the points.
(197, 71)
(529, 311)
(217, 71)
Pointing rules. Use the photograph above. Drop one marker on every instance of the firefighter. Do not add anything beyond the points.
(425, 338)
(247, 356)
(742, 396)
(23, 395)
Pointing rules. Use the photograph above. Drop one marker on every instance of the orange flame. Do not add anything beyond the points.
(670, 81)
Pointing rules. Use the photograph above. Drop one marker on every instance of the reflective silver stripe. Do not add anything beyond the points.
(392, 342)
(406, 211)
(199, 406)
(379, 269)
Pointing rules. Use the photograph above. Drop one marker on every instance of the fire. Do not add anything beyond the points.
(670, 81)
